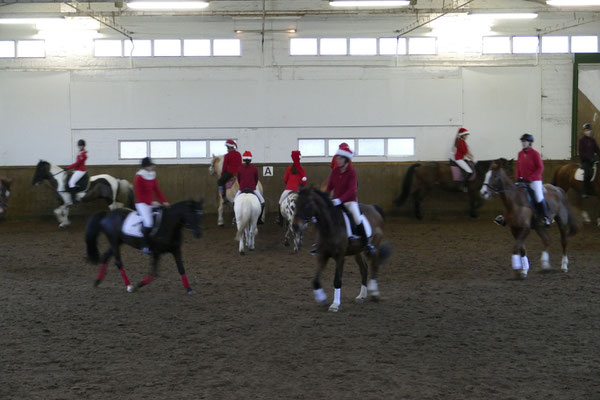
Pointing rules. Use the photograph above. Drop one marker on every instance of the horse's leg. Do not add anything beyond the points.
(297, 237)
(337, 284)
(153, 272)
(564, 267)
(545, 257)
(288, 233)
(119, 263)
(520, 262)
(474, 201)
(181, 270)
(103, 267)
(364, 271)
(220, 213)
(418, 197)
(319, 293)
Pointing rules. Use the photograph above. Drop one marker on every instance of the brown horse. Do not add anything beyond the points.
(334, 243)
(564, 177)
(420, 179)
(4, 194)
(521, 217)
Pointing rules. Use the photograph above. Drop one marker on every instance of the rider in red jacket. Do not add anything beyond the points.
(294, 179)
(232, 161)
(248, 179)
(529, 170)
(78, 168)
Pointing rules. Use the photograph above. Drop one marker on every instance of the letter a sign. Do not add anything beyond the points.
(268, 171)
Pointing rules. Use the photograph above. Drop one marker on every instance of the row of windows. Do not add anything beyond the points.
(174, 149)
(531, 44)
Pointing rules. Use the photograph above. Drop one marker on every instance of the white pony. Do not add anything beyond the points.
(247, 211)
(288, 211)
(99, 187)
(215, 168)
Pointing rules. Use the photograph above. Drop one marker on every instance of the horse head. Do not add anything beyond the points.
(42, 171)
(311, 204)
(215, 165)
(192, 217)
(495, 179)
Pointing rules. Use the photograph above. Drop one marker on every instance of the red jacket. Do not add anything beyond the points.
(461, 149)
(247, 177)
(232, 162)
(79, 164)
(145, 186)
(343, 184)
(293, 181)
(529, 165)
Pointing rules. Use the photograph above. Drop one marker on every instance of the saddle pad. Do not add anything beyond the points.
(132, 226)
(579, 174)
(365, 222)
(457, 174)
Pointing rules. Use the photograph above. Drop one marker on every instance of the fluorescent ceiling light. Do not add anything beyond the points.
(167, 5)
(26, 21)
(573, 3)
(505, 16)
(368, 3)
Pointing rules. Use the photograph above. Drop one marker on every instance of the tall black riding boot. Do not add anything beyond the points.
(73, 192)
(262, 210)
(542, 207)
(146, 240)
(365, 240)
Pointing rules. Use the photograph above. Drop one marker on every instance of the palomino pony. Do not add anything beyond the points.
(215, 168)
(427, 175)
(4, 194)
(247, 211)
(99, 187)
(167, 239)
(521, 217)
(334, 243)
(288, 211)
(566, 176)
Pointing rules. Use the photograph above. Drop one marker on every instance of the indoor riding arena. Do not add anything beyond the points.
(430, 103)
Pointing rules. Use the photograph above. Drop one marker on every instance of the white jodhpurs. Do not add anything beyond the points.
(538, 189)
(256, 192)
(352, 207)
(75, 177)
(285, 194)
(464, 166)
(145, 211)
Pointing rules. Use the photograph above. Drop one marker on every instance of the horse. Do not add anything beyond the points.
(167, 239)
(521, 217)
(426, 175)
(4, 194)
(335, 243)
(247, 211)
(565, 178)
(288, 211)
(215, 168)
(99, 187)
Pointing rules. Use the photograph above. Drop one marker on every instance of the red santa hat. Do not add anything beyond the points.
(231, 143)
(344, 151)
(247, 156)
(463, 132)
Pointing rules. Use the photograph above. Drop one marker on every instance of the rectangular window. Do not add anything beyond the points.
(217, 147)
(421, 46)
(496, 45)
(525, 45)
(555, 44)
(31, 48)
(7, 49)
(363, 47)
(334, 47)
(163, 149)
(401, 147)
(334, 144)
(312, 147)
(192, 149)
(196, 47)
(227, 47)
(303, 47)
(584, 44)
(108, 48)
(167, 48)
(371, 147)
(137, 48)
(392, 46)
(133, 149)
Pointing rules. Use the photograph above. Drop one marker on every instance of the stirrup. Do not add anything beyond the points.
(546, 221)
(370, 248)
(146, 251)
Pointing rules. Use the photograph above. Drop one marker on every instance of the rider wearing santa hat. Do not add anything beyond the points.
(231, 164)
(294, 178)
(342, 181)
(462, 153)
(247, 177)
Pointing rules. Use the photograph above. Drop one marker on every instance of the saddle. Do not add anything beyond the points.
(351, 229)
(531, 199)
(132, 226)
(82, 183)
(579, 174)
(458, 174)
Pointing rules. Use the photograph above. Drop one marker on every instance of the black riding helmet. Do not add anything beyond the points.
(526, 137)
(81, 142)
(587, 126)
(147, 162)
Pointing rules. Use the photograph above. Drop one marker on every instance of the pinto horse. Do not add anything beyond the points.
(215, 168)
(421, 178)
(288, 211)
(167, 239)
(334, 243)
(99, 187)
(4, 194)
(521, 217)
(247, 212)
(564, 177)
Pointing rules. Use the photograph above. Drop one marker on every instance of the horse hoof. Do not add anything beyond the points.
(359, 300)
(221, 225)
(286, 244)
(564, 269)
(333, 308)
(375, 298)
(546, 267)
(242, 253)
(130, 288)
(190, 292)
(97, 282)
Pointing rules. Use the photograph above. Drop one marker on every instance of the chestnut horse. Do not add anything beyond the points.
(564, 177)
(521, 217)
(334, 243)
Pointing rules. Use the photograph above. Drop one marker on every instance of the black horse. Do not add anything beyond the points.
(334, 243)
(4, 194)
(167, 239)
(421, 178)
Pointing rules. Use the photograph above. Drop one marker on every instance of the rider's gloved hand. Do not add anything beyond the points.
(336, 202)
(499, 220)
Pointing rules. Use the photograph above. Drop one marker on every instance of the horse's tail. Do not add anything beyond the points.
(127, 189)
(245, 219)
(385, 251)
(406, 184)
(572, 220)
(555, 176)
(380, 211)
(92, 230)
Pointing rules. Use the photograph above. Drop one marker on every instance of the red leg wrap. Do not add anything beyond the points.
(147, 280)
(102, 272)
(124, 276)
(186, 284)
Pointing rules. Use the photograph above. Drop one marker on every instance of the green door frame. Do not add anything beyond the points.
(578, 58)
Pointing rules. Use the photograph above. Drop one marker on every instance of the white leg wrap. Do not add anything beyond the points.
(545, 259)
(336, 296)
(320, 295)
(363, 293)
(565, 264)
(516, 262)
(525, 263)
